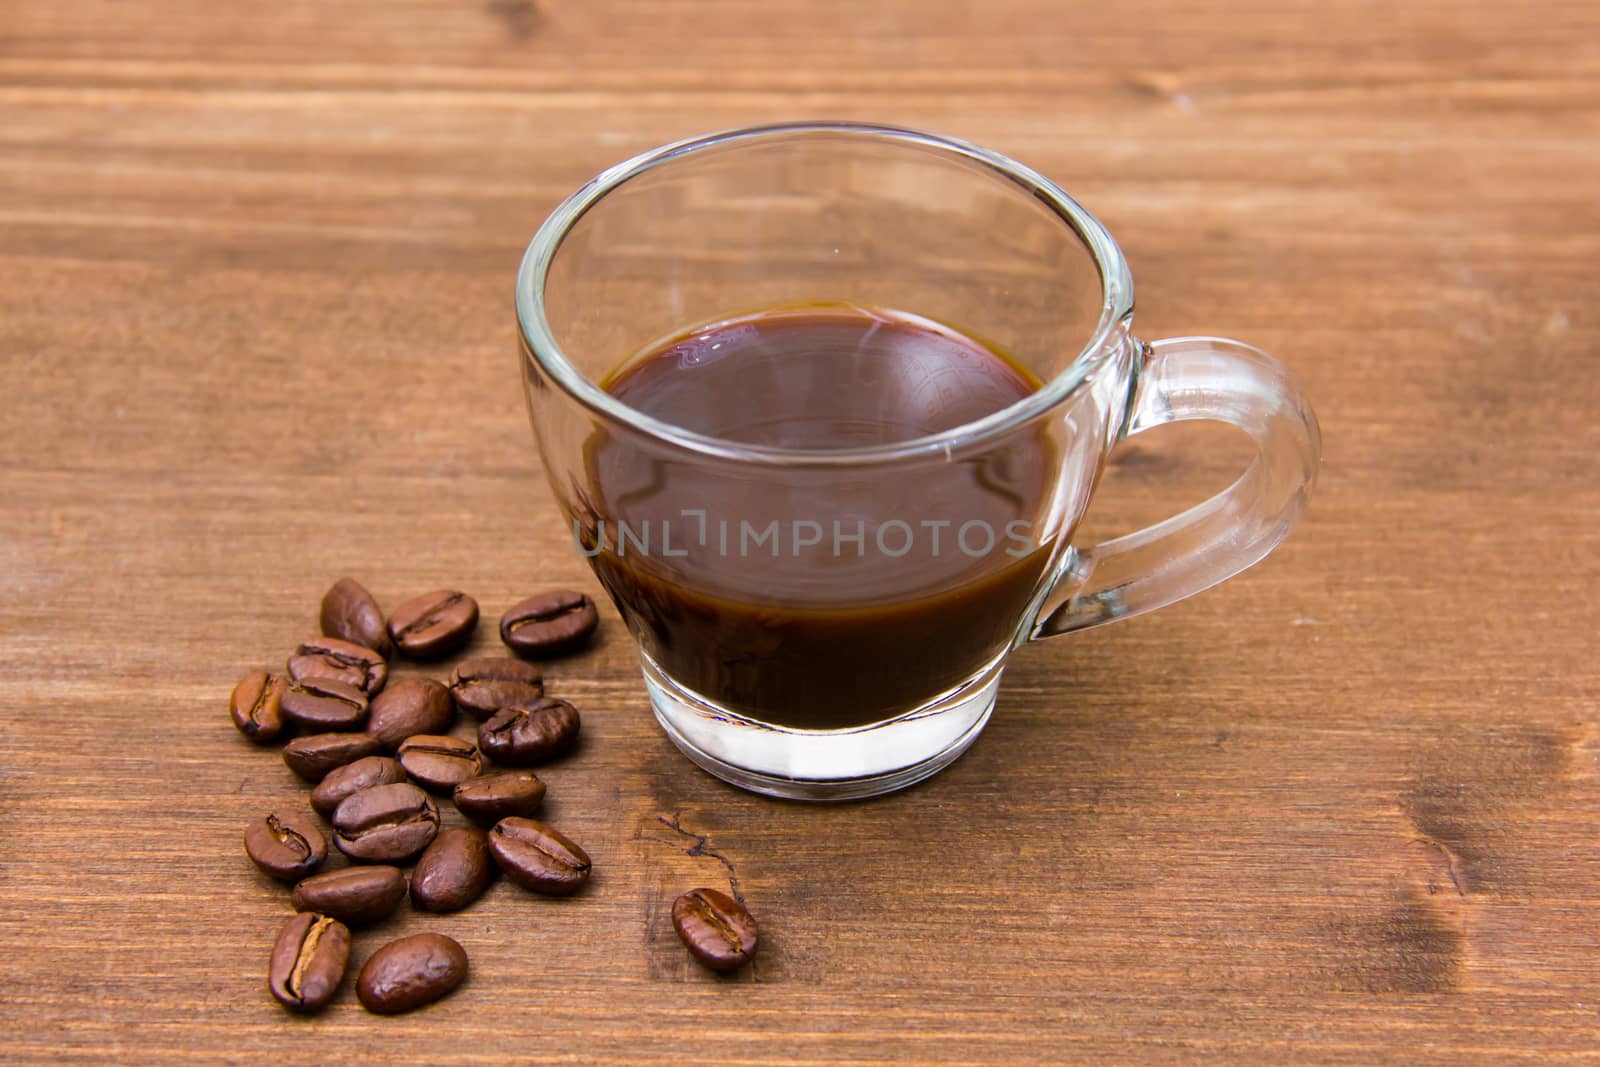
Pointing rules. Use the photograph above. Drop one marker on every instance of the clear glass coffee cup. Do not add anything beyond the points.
(832, 621)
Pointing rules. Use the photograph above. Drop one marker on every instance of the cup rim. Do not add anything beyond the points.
(1116, 287)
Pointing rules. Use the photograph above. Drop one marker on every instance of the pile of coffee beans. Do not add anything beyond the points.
(380, 758)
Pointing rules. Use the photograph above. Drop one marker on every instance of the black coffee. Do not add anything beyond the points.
(816, 596)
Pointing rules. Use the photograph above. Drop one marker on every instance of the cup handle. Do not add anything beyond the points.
(1198, 378)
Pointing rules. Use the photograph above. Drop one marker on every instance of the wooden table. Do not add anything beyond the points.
(255, 272)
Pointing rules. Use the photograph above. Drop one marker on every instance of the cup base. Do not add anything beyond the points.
(823, 764)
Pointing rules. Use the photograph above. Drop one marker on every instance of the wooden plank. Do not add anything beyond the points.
(255, 267)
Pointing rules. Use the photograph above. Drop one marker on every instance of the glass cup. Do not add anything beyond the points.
(830, 661)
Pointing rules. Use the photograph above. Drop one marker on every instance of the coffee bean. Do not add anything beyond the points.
(548, 624)
(324, 704)
(313, 756)
(481, 687)
(256, 706)
(410, 706)
(719, 931)
(491, 797)
(385, 824)
(453, 872)
(352, 894)
(517, 737)
(439, 763)
(350, 613)
(308, 961)
(341, 661)
(411, 972)
(351, 779)
(538, 857)
(286, 846)
(434, 624)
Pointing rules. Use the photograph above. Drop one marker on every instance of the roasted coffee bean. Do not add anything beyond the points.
(549, 623)
(350, 613)
(352, 894)
(287, 846)
(410, 706)
(481, 687)
(386, 824)
(341, 661)
(313, 756)
(256, 706)
(453, 872)
(308, 961)
(517, 737)
(538, 857)
(434, 624)
(438, 762)
(411, 972)
(718, 930)
(324, 704)
(351, 779)
(491, 797)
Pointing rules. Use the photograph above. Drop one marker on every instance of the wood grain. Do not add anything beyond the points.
(255, 271)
